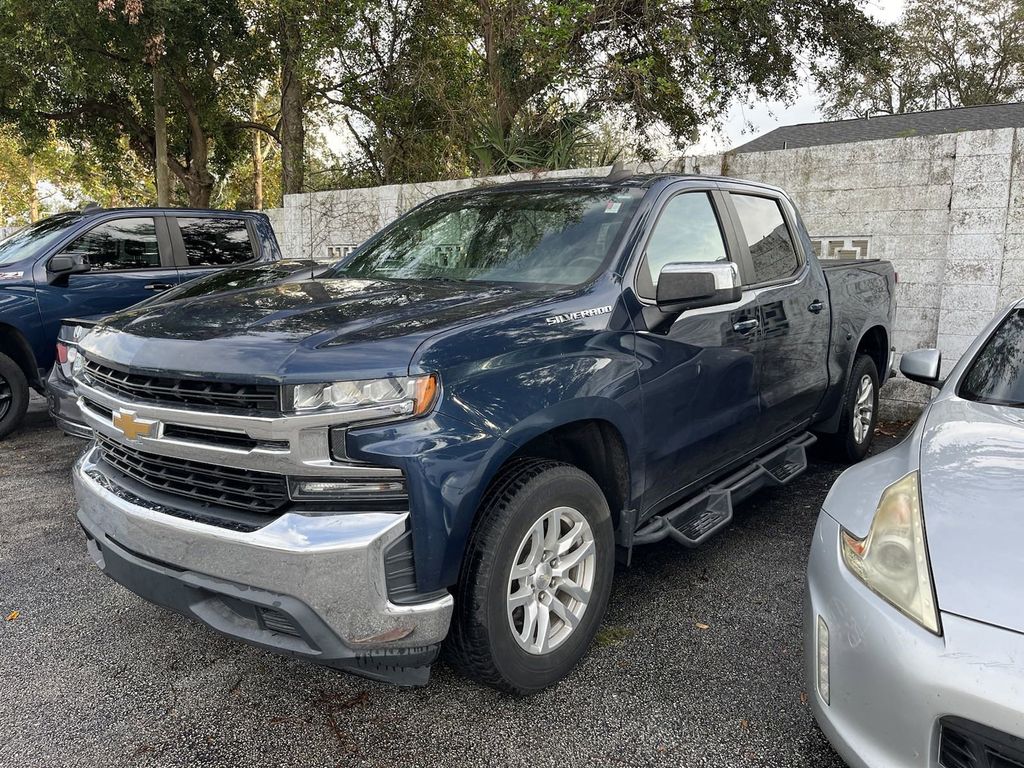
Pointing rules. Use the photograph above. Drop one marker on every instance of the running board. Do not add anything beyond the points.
(701, 517)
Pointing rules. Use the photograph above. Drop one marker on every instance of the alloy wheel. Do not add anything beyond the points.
(551, 581)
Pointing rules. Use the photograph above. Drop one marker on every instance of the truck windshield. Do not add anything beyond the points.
(555, 237)
(21, 244)
(997, 374)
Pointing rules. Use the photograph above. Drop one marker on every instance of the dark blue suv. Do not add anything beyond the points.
(97, 261)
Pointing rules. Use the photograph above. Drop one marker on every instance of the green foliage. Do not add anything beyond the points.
(942, 53)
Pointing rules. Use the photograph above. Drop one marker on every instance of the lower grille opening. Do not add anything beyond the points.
(964, 744)
(252, 491)
(276, 621)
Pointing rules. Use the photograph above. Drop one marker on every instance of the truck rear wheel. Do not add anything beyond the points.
(535, 579)
(860, 413)
(13, 395)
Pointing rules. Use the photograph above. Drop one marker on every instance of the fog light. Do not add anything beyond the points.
(823, 683)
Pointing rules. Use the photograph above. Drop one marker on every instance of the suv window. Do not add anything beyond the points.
(215, 242)
(119, 245)
(771, 247)
(687, 231)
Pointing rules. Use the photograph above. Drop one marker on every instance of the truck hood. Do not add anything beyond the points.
(304, 330)
(972, 494)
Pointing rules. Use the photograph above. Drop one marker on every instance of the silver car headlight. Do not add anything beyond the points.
(406, 396)
(892, 560)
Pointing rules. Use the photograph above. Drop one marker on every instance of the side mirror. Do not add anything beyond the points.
(64, 264)
(922, 365)
(699, 284)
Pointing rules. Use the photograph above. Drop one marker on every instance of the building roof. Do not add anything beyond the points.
(889, 127)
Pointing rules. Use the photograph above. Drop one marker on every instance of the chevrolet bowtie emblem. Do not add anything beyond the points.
(132, 426)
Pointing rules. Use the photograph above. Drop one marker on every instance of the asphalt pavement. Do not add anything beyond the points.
(698, 662)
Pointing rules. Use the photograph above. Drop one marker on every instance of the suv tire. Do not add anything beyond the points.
(535, 579)
(13, 395)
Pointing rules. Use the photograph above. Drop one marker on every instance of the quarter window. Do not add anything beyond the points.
(768, 238)
(119, 245)
(687, 231)
(215, 242)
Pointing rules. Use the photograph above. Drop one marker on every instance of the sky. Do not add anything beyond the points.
(768, 115)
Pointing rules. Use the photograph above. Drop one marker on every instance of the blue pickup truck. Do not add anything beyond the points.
(97, 261)
(448, 440)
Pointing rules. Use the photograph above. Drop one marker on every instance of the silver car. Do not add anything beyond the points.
(914, 617)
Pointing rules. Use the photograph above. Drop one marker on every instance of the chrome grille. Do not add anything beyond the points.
(262, 398)
(261, 492)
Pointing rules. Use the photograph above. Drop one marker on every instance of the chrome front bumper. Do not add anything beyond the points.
(323, 572)
(891, 681)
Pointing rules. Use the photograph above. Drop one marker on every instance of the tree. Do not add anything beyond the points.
(943, 53)
(403, 76)
(677, 64)
(89, 74)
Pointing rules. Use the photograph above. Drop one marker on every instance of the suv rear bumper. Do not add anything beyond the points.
(306, 585)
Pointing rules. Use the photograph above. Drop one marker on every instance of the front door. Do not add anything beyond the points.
(130, 261)
(699, 369)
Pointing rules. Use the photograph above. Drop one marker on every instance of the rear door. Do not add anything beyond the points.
(207, 243)
(130, 259)
(699, 370)
(792, 298)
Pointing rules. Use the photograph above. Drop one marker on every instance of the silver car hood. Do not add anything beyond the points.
(972, 493)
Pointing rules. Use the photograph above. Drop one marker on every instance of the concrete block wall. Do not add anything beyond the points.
(947, 210)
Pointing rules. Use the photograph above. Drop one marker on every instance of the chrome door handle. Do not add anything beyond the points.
(816, 306)
(745, 326)
(158, 286)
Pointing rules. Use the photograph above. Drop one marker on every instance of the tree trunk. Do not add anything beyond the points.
(33, 191)
(163, 179)
(293, 132)
(196, 177)
(257, 163)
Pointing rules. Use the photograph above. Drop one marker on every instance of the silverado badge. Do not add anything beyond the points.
(131, 426)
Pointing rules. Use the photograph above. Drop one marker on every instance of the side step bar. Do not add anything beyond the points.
(697, 519)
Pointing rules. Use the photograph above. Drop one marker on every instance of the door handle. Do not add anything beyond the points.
(158, 286)
(745, 326)
(816, 306)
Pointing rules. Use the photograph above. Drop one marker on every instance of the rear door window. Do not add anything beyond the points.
(771, 246)
(119, 245)
(213, 242)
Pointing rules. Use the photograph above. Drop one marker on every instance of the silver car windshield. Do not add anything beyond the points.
(553, 237)
(997, 374)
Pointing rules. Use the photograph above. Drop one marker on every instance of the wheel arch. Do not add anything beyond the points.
(14, 344)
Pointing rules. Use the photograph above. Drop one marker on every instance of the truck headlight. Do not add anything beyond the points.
(395, 396)
(892, 560)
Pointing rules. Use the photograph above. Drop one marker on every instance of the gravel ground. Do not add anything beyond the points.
(698, 663)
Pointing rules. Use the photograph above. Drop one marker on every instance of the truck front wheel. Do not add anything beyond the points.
(535, 579)
(13, 395)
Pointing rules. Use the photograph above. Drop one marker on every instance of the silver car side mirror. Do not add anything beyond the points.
(922, 365)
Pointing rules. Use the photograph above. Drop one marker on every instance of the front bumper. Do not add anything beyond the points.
(891, 681)
(312, 586)
(63, 405)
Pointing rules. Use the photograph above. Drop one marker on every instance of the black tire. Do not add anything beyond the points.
(13, 395)
(481, 644)
(844, 445)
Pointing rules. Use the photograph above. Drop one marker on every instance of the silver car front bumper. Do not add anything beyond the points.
(311, 585)
(891, 681)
